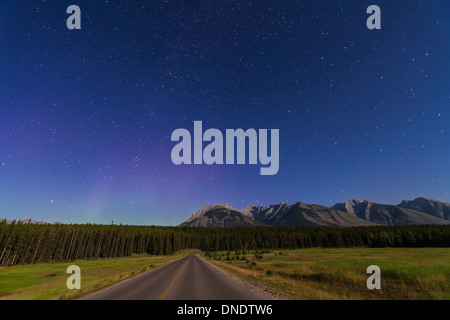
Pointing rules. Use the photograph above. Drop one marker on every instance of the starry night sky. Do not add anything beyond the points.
(86, 115)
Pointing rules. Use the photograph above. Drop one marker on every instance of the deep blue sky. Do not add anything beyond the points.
(86, 115)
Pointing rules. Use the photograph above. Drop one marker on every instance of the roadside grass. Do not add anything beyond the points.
(406, 273)
(47, 281)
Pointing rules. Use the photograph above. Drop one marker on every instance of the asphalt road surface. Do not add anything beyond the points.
(189, 278)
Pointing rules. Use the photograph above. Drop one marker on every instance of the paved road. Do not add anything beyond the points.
(189, 278)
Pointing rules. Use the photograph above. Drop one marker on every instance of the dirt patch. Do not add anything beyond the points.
(51, 275)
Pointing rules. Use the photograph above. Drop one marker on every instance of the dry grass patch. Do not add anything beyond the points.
(406, 273)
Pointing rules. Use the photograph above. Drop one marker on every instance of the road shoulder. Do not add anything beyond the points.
(256, 288)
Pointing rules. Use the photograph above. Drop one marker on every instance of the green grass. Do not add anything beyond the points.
(406, 273)
(47, 281)
(422, 273)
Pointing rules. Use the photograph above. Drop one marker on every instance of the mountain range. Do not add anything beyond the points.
(353, 213)
(28, 221)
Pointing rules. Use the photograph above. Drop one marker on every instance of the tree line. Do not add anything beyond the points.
(32, 243)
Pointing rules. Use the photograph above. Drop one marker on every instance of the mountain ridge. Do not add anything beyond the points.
(28, 221)
(427, 205)
(352, 213)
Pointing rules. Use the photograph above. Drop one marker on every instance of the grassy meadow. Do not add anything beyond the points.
(47, 281)
(406, 273)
